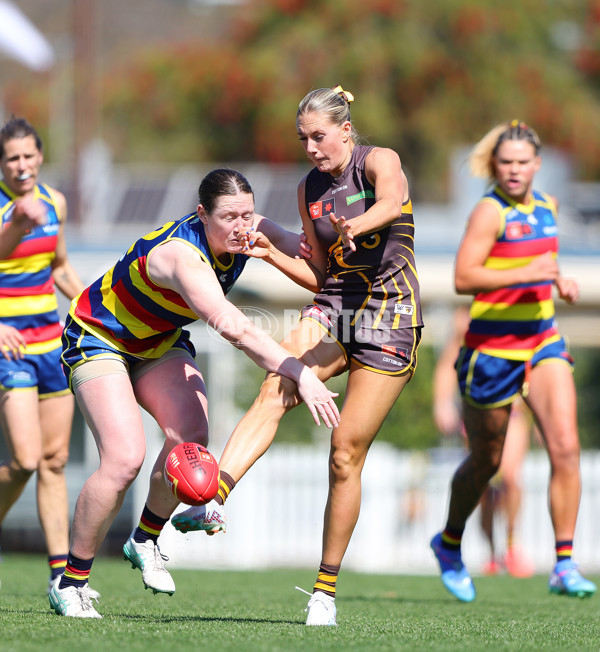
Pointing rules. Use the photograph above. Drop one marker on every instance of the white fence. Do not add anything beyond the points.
(275, 514)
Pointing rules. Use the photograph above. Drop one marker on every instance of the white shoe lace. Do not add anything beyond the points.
(86, 595)
(153, 557)
(94, 595)
(159, 559)
(80, 605)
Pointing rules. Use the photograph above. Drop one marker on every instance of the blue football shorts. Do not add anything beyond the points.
(489, 381)
(80, 346)
(41, 371)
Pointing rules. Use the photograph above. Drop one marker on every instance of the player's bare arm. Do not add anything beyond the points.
(472, 276)
(384, 172)
(65, 277)
(179, 267)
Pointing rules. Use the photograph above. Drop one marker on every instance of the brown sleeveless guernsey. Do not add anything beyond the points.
(377, 285)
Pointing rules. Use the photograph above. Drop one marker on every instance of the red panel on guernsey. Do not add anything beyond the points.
(135, 308)
(524, 249)
(42, 333)
(82, 309)
(35, 246)
(507, 342)
(514, 296)
(171, 296)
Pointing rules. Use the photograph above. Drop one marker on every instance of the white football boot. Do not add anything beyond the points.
(72, 601)
(209, 518)
(321, 610)
(94, 595)
(147, 557)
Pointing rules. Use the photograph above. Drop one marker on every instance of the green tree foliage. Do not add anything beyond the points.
(426, 75)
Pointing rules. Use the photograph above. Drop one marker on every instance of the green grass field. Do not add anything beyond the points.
(246, 611)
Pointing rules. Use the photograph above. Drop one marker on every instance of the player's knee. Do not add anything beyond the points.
(122, 469)
(344, 461)
(22, 470)
(25, 462)
(565, 453)
(278, 391)
(123, 477)
(55, 463)
(195, 431)
(198, 437)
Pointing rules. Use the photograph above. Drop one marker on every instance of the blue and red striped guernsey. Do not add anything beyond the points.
(27, 296)
(514, 321)
(129, 312)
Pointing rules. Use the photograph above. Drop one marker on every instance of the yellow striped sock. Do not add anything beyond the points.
(226, 484)
(327, 579)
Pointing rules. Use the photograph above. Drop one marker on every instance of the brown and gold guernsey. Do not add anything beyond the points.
(377, 282)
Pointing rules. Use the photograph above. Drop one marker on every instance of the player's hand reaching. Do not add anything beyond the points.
(304, 249)
(318, 399)
(342, 226)
(255, 244)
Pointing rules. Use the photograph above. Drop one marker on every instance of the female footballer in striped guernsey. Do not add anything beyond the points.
(508, 260)
(36, 406)
(125, 344)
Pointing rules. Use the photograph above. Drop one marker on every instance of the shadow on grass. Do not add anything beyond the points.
(154, 618)
(396, 598)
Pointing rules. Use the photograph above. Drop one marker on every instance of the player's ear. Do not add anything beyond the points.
(346, 130)
(202, 214)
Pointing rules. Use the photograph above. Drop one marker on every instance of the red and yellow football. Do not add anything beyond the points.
(192, 473)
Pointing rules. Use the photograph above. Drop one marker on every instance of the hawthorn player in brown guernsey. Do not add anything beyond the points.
(365, 320)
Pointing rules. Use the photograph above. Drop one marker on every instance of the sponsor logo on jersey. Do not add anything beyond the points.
(345, 187)
(398, 363)
(318, 209)
(403, 309)
(395, 351)
(365, 194)
(514, 231)
(518, 230)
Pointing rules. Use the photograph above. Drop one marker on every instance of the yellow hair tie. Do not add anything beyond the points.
(345, 95)
(519, 123)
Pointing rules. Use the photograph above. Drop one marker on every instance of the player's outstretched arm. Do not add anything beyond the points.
(179, 267)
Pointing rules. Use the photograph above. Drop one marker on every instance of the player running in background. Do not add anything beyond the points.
(504, 491)
(365, 320)
(508, 260)
(36, 406)
(124, 346)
